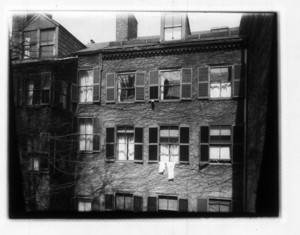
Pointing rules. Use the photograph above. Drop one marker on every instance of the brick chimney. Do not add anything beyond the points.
(126, 27)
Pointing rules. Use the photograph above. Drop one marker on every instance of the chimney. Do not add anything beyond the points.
(126, 27)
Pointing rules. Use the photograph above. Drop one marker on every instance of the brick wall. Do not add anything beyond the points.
(97, 176)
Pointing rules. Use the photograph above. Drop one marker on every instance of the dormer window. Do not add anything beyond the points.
(172, 27)
(39, 44)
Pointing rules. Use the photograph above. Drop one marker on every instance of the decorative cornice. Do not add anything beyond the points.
(170, 49)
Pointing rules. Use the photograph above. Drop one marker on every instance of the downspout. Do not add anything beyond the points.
(245, 132)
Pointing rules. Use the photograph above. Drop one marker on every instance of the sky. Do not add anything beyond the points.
(101, 26)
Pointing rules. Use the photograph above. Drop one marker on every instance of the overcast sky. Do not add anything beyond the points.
(101, 26)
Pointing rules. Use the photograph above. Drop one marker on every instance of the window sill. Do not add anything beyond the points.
(220, 163)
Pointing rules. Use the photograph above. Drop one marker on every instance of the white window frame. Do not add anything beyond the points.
(173, 26)
(117, 83)
(230, 69)
(160, 86)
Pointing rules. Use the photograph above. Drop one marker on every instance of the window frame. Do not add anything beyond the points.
(84, 200)
(160, 86)
(115, 144)
(180, 143)
(168, 198)
(124, 195)
(39, 44)
(169, 143)
(173, 26)
(134, 73)
(219, 199)
(93, 134)
(231, 68)
(230, 161)
(79, 86)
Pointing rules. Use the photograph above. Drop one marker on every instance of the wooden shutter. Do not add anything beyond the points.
(37, 89)
(184, 144)
(45, 79)
(20, 94)
(96, 134)
(137, 204)
(138, 144)
(109, 202)
(204, 145)
(202, 205)
(110, 88)
(74, 87)
(152, 204)
(153, 87)
(96, 86)
(153, 144)
(239, 80)
(238, 144)
(203, 78)
(183, 205)
(139, 86)
(186, 84)
(110, 143)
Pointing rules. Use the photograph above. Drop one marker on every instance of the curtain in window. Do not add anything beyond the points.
(86, 86)
(125, 148)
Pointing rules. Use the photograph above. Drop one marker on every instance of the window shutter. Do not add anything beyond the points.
(204, 145)
(96, 87)
(45, 83)
(202, 205)
(239, 80)
(110, 88)
(109, 202)
(183, 205)
(186, 84)
(37, 89)
(238, 141)
(139, 86)
(137, 204)
(20, 94)
(96, 132)
(138, 144)
(110, 143)
(153, 144)
(153, 87)
(96, 204)
(75, 135)
(152, 204)
(184, 144)
(203, 77)
(74, 93)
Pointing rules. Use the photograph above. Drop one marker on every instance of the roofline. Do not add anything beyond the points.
(41, 14)
(164, 45)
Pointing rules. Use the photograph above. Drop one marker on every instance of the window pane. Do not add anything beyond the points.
(168, 20)
(120, 202)
(88, 206)
(47, 36)
(29, 97)
(214, 153)
(35, 164)
(214, 208)
(130, 152)
(128, 203)
(225, 153)
(164, 132)
(174, 158)
(164, 158)
(81, 206)
(82, 142)
(220, 75)
(89, 142)
(225, 90)
(89, 94)
(163, 204)
(153, 92)
(168, 34)
(177, 33)
(172, 206)
(224, 208)
(174, 132)
(164, 149)
(47, 51)
(121, 151)
(89, 126)
(174, 149)
(215, 90)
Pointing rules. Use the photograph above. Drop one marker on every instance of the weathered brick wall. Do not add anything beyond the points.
(95, 176)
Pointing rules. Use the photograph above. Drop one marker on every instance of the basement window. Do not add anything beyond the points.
(219, 205)
(124, 202)
(84, 205)
(167, 203)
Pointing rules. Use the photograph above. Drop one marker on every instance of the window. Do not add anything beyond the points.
(125, 87)
(38, 143)
(84, 205)
(47, 43)
(33, 164)
(217, 143)
(89, 85)
(129, 87)
(89, 134)
(128, 144)
(171, 84)
(219, 82)
(30, 45)
(124, 202)
(167, 203)
(37, 90)
(172, 27)
(219, 205)
(220, 143)
(63, 94)
(42, 39)
(169, 144)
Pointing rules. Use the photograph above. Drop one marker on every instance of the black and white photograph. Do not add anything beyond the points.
(136, 114)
